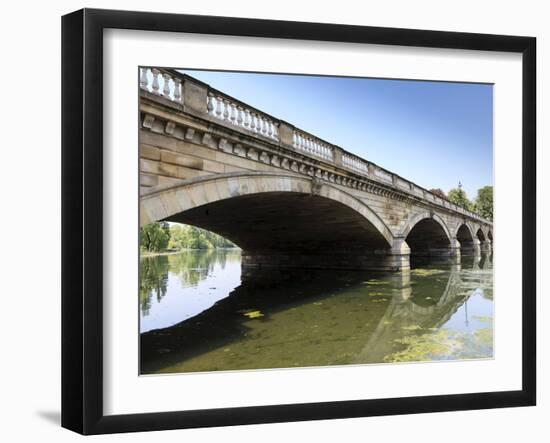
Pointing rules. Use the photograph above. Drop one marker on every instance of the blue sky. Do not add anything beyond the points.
(433, 133)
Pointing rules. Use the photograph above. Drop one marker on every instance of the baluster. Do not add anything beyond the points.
(177, 90)
(260, 125)
(269, 129)
(247, 119)
(166, 89)
(264, 126)
(225, 109)
(156, 85)
(233, 113)
(294, 140)
(219, 102)
(210, 104)
(240, 116)
(252, 122)
(143, 78)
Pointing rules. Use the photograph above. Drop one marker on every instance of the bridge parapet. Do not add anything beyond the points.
(294, 149)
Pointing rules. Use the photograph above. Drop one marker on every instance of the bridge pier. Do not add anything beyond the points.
(471, 247)
(393, 259)
(449, 251)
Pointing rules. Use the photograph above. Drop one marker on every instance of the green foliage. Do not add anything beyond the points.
(154, 237)
(191, 237)
(439, 192)
(484, 202)
(459, 198)
(153, 280)
(159, 237)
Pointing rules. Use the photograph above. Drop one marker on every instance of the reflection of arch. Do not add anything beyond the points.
(403, 313)
(490, 235)
(191, 200)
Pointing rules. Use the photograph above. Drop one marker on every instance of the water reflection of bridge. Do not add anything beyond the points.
(406, 312)
(315, 320)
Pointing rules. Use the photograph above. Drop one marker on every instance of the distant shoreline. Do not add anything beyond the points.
(156, 254)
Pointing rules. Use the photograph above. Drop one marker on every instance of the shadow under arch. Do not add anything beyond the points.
(279, 220)
(465, 236)
(481, 235)
(427, 235)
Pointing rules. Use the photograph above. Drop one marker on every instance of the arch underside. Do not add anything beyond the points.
(288, 227)
(428, 237)
(481, 235)
(281, 221)
(467, 238)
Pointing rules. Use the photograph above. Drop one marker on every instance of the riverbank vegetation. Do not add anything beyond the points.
(162, 237)
(481, 205)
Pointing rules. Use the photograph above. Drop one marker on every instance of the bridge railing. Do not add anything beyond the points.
(191, 95)
(236, 113)
(162, 83)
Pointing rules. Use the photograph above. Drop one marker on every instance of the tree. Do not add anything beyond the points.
(179, 237)
(439, 192)
(484, 202)
(459, 198)
(154, 237)
(191, 237)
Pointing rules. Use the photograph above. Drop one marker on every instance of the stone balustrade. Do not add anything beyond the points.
(355, 163)
(200, 99)
(228, 110)
(162, 83)
(312, 145)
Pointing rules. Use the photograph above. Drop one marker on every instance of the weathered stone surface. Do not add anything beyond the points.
(281, 202)
(194, 97)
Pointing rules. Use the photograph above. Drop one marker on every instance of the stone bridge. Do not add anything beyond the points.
(285, 196)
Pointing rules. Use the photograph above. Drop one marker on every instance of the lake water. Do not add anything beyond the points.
(199, 313)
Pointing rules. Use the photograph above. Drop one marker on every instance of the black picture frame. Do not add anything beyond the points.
(82, 235)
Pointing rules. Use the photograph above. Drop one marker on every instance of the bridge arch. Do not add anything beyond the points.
(296, 218)
(414, 219)
(481, 235)
(466, 237)
(427, 234)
